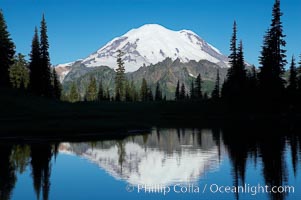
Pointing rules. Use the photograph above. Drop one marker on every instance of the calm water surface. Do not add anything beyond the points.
(160, 164)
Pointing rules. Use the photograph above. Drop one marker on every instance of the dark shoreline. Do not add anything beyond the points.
(24, 115)
(116, 128)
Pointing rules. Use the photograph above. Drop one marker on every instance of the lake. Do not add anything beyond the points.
(163, 163)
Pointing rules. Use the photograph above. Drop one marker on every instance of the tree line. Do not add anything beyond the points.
(125, 90)
(128, 92)
(268, 83)
(35, 76)
(242, 84)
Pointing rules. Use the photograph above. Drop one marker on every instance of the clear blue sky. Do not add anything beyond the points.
(76, 28)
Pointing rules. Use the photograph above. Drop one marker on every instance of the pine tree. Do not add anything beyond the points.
(198, 88)
(233, 48)
(158, 93)
(56, 85)
(91, 94)
(299, 75)
(293, 81)
(241, 72)
(120, 77)
(273, 58)
(216, 91)
(34, 65)
(293, 75)
(45, 61)
(299, 80)
(233, 63)
(7, 52)
(265, 60)
(241, 68)
(278, 38)
(182, 92)
(101, 93)
(144, 90)
(177, 93)
(19, 73)
(74, 95)
(228, 83)
(235, 84)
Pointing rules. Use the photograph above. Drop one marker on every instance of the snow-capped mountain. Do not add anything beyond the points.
(151, 44)
(63, 69)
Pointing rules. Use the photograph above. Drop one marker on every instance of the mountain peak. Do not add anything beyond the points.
(153, 43)
(158, 27)
(153, 27)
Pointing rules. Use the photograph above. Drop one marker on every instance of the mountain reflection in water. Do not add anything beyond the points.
(163, 156)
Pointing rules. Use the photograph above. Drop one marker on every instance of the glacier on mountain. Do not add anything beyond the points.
(151, 44)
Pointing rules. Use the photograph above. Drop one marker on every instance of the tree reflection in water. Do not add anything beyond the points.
(177, 153)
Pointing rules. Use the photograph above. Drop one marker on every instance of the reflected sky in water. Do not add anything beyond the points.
(165, 157)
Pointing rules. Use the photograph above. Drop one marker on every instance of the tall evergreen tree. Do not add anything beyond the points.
(273, 58)
(45, 60)
(198, 87)
(19, 73)
(233, 48)
(241, 68)
(74, 94)
(216, 91)
(120, 77)
(144, 90)
(91, 94)
(292, 81)
(299, 75)
(7, 52)
(177, 93)
(158, 93)
(293, 75)
(56, 85)
(235, 84)
(233, 63)
(241, 71)
(34, 65)
(299, 80)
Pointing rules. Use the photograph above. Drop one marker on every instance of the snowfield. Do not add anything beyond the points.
(153, 43)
